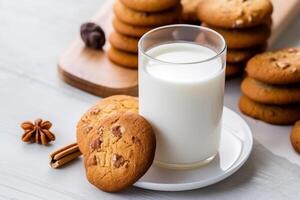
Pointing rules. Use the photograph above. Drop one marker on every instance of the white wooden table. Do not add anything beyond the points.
(33, 33)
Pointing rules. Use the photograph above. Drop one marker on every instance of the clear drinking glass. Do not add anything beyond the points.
(181, 90)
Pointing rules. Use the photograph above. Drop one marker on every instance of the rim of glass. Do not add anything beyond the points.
(140, 43)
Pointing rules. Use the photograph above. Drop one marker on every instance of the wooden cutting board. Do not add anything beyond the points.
(91, 70)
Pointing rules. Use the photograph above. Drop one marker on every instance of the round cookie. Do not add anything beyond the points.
(269, 94)
(189, 8)
(136, 18)
(295, 136)
(150, 5)
(281, 115)
(102, 109)
(244, 38)
(276, 67)
(234, 13)
(130, 30)
(121, 151)
(233, 70)
(123, 43)
(242, 55)
(122, 58)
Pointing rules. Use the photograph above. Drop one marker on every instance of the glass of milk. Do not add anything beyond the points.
(181, 90)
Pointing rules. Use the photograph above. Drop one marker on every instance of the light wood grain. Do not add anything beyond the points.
(91, 70)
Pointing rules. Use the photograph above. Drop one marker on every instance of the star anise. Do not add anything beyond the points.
(37, 132)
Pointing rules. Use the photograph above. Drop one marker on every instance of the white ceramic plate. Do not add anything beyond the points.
(235, 147)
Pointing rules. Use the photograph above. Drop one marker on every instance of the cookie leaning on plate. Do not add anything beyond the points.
(137, 18)
(234, 13)
(276, 67)
(295, 136)
(121, 151)
(281, 115)
(150, 5)
(269, 94)
(102, 109)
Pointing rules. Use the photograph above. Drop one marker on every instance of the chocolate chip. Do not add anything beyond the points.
(92, 35)
(117, 130)
(118, 160)
(96, 144)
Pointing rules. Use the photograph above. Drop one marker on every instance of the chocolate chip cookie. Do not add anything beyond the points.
(102, 109)
(244, 38)
(270, 94)
(120, 152)
(281, 115)
(276, 67)
(243, 55)
(234, 13)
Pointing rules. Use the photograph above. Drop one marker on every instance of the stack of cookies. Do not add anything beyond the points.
(271, 91)
(244, 24)
(132, 19)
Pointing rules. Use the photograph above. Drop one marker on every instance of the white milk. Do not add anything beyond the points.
(183, 102)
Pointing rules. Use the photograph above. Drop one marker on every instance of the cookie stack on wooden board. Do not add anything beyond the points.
(132, 19)
(271, 91)
(244, 24)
